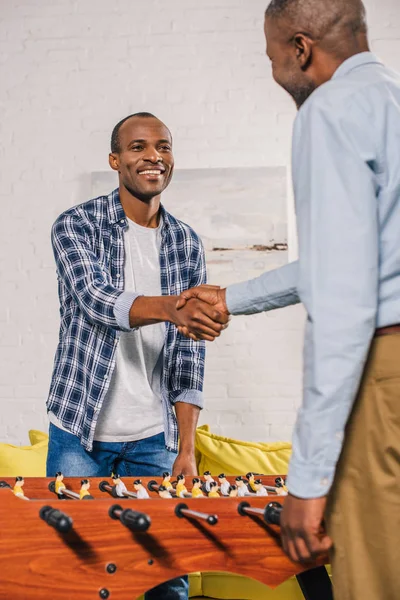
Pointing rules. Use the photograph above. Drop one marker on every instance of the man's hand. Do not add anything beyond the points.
(212, 294)
(184, 463)
(199, 320)
(302, 532)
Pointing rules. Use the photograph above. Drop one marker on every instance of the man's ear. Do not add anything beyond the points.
(113, 161)
(304, 48)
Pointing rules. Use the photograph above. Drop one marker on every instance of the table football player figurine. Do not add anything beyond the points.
(59, 485)
(84, 493)
(141, 491)
(251, 483)
(196, 489)
(242, 487)
(224, 484)
(208, 479)
(213, 493)
(180, 487)
(120, 487)
(233, 491)
(281, 488)
(17, 489)
(260, 489)
(163, 492)
(166, 482)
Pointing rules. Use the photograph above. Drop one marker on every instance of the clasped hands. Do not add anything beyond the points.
(202, 313)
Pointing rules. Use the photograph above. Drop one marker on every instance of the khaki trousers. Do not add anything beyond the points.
(363, 515)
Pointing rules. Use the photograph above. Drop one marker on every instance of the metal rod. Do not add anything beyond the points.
(182, 510)
(104, 486)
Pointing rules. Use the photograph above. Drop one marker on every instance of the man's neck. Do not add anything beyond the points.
(146, 214)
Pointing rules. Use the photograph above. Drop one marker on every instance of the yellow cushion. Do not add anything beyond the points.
(218, 454)
(36, 436)
(27, 461)
(225, 586)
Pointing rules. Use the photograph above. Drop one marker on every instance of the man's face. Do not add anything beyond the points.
(145, 162)
(286, 68)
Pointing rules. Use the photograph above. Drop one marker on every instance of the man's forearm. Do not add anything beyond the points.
(147, 310)
(187, 416)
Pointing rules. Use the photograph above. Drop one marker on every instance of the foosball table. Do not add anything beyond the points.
(90, 539)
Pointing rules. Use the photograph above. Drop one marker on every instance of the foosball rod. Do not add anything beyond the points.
(132, 519)
(153, 486)
(271, 513)
(63, 492)
(182, 511)
(104, 486)
(55, 518)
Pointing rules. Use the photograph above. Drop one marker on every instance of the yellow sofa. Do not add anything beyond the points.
(213, 453)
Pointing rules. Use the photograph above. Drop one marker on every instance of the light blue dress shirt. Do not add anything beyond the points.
(346, 174)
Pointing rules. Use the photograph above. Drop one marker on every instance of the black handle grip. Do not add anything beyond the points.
(132, 519)
(272, 513)
(55, 518)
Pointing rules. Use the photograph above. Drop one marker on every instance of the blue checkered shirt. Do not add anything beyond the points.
(88, 245)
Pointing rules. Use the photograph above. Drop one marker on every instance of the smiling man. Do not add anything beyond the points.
(125, 382)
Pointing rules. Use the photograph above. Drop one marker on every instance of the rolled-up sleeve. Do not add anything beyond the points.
(337, 215)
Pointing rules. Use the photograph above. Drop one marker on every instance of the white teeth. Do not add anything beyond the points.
(150, 172)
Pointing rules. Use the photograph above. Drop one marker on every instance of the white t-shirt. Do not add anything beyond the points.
(132, 408)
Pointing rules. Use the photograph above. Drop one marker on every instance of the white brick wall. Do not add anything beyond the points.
(69, 71)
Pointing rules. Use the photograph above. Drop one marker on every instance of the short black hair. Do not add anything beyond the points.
(115, 145)
(338, 18)
(166, 474)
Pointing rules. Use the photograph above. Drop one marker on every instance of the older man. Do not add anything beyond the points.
(346, 171)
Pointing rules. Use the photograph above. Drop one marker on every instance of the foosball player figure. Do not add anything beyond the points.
(141, 491)
(213, 493)
(196, 489)
(180, 486)
(17, 489)
(84, 493)
(251, 482)
(120, 487)
(241, 486)
(163, 492)
(59, 484)
(281, 488)
(233, 491)
(224, 484)
(260, 489)
(166, 482)
(208, 479)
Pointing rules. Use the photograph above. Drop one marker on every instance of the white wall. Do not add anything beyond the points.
(69, 71)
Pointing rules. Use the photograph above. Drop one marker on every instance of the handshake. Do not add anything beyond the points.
(202, 313)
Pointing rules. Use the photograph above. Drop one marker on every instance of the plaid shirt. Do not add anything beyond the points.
(88, 245)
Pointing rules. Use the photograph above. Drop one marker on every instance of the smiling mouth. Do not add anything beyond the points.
(152, 172)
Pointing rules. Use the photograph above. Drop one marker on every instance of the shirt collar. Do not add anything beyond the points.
(358, 60)
(115, 211)
(117, 214)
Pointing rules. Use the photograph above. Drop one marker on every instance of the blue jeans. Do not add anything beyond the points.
(144, 458)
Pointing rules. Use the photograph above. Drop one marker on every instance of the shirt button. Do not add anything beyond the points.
(339, 435)
(118, 275)
(324, 481)
(105, 376)
(123, 222)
